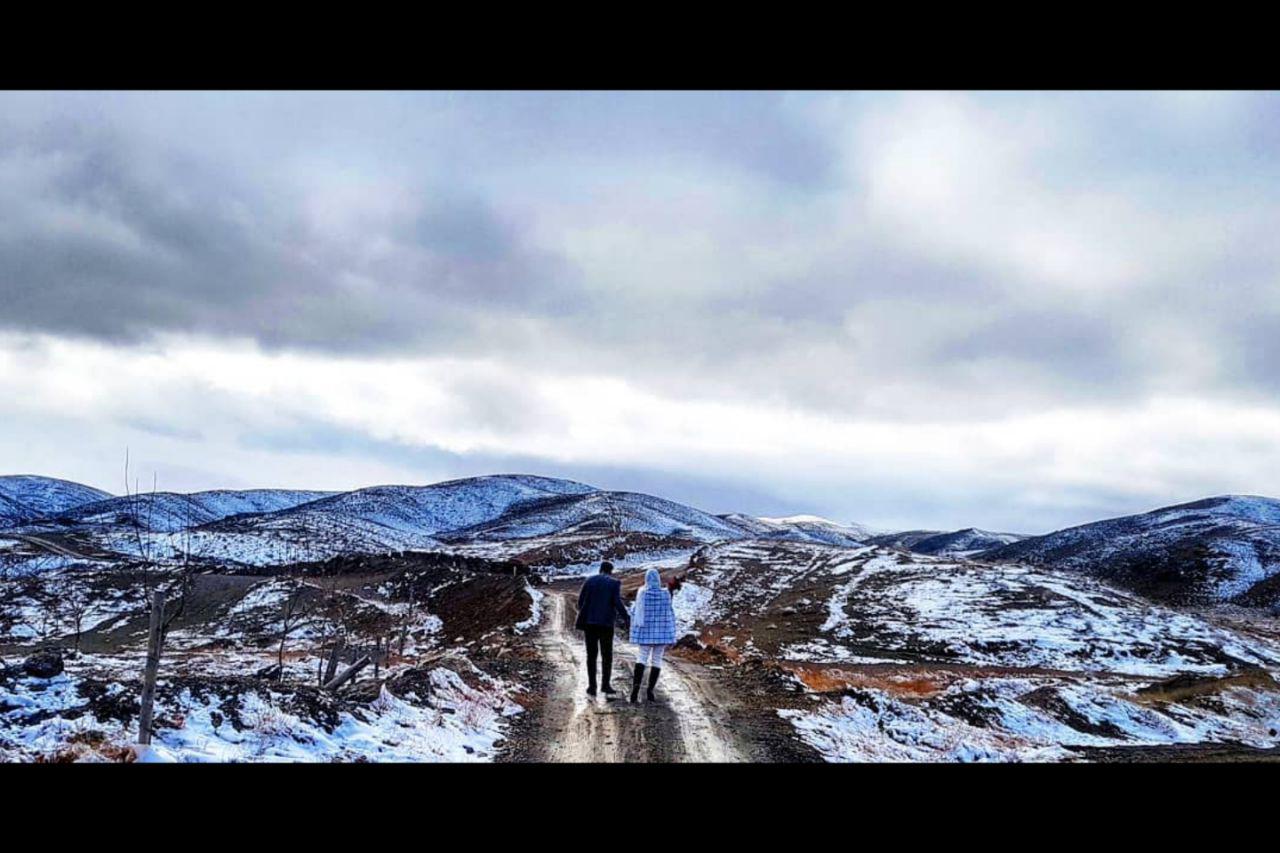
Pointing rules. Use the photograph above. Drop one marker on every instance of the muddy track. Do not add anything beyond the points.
(687, 723)
(55, 548)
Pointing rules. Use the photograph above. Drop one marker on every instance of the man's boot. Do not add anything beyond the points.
(593, 652)
(636, 678)
(653, 679)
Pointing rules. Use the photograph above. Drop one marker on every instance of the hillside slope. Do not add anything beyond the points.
(172, 511)
(24, 497)
(440, 507)
(963, 542)
(1219, 549)
(925, 659)
(602, 512)
(802, 528)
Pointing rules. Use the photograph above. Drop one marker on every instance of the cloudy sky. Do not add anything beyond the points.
(1010, 310)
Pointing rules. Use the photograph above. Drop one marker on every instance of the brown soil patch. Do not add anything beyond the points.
(1183, 687)
(477, 607)
(833, 678)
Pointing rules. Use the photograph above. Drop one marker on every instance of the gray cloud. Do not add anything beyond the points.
(874, 257)
(106, 241)
(447, 223)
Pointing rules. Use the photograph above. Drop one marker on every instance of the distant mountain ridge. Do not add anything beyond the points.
(24, 497)
(1214, 550)
(172, 511)
(435, 508)
(603, 512)
(970, 540)
(802, 528)
(955, 543)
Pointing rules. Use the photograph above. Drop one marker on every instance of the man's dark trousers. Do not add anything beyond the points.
(599, 606)
(599, 642)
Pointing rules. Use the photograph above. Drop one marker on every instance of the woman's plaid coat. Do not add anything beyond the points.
(659, 628)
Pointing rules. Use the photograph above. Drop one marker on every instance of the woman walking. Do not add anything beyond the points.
(653, 628)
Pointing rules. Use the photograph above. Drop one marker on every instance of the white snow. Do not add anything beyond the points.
(691, 603)
(872, 725)
(535, 616)
(457, 722)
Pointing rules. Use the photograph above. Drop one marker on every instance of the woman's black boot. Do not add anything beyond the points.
(653, 679)
(636, 677)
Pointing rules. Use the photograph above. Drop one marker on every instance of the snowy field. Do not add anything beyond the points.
(453, 722)
(913, 658)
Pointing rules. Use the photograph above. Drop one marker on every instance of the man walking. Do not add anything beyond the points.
(599, 603)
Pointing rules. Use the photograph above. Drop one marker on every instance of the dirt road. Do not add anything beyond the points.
(687, 723)
(54, 547)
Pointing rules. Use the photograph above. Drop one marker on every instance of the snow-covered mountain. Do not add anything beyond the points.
(1220, 549)
(904, 539)
(542, 521)
(602, 512)
(166, 512)
(24, 497)
(963, 542)
(1224, 549)
(441, 507)
(953, 543)
(558, 523)
(12, 512)
(802, 528)
(376, 519)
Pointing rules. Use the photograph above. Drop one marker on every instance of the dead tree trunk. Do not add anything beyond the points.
(408, 620)
(147, 700)
(332, 668)
(348, 674)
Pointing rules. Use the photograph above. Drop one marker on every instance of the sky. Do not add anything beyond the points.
(1016, 311)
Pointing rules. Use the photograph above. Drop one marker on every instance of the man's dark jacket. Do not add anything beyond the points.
(600, 599)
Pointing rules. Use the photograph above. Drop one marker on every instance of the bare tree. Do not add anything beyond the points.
(43, 620)
(160, 594)
(407, 617)
(155, 642)
(75, 605)
(295, 613)
(335, 613)
(347, 674)
(41, 616)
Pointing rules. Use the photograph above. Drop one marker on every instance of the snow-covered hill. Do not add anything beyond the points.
(441, 507)
(904, 539)
(24, 497)
(557, 524)
(954, 543)
(166, 512)
(1220, 549)
(1224, 549)
(963, 542)
(934, 659)
(12, 512)
(378, 519)
(802, 528)
(602, 512)
(440, 698)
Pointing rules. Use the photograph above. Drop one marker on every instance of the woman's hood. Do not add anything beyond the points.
(652, 579)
